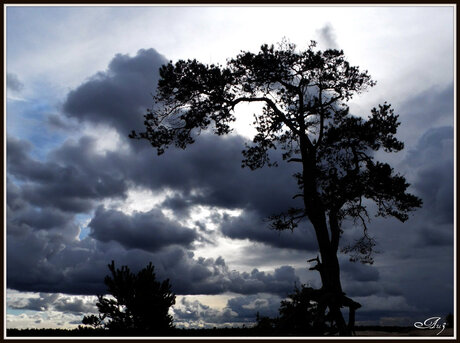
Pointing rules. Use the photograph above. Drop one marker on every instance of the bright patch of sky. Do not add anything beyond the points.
(83, 220)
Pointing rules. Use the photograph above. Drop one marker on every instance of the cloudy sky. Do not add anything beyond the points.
(80, 193)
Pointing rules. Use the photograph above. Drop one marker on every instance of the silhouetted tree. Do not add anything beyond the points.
(94, 321)
(266, 325)
(139, 303)
(304, 95)
(301, 313)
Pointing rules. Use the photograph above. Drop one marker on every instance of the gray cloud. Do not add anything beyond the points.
(239, 310)
(37, 304)
(56, 261)
(251, 225)
(55, 121)
(56, 302)
(119, 96)
(213, 276)
(327, 37)
(247, 306)
(359, 272)
(74, 305)
(149, 231)
(13, 83)
(40, 218)
(70, 187)
(419, 113)
(195, 314)
(376, 308)
(442, 236)
(50, 252)
(432, 159)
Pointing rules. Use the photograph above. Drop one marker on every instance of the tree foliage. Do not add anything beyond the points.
(305, 114)
(138, 302)
(300, 314)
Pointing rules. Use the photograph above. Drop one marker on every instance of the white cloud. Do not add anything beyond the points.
(46, 310)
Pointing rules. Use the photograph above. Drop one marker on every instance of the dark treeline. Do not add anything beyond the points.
(176, 332)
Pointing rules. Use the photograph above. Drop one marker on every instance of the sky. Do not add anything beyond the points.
(80, 193)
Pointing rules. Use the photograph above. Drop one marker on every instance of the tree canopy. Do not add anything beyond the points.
(138, 303)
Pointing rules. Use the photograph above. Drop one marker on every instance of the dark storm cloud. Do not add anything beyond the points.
(56, 262)
(431, 108)
(149, 231)
(207, 173)
(80, 267)
(18, 161)
(55, 121)
(251, 225)
(442, 236)
(23, 219)
(72, 187)
(118, 97)
(75, 176)
(222, 184)
(433, 162)
(437, 294)
(74, 305)
(180, 204)
(14, 200)
(13, 83)
(359, 272)
(212, 276)
(40, 218)
(281, 282)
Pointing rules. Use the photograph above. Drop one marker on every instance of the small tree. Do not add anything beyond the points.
(301, 313)
(305, 113)
(140, 303)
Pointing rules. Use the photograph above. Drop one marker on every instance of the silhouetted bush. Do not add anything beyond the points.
(299, 315)
(139, 306)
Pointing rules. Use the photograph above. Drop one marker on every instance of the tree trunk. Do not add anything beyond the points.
(330, 275)
(329, 266)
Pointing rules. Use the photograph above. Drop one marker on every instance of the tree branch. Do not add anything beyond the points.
(295, 160)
